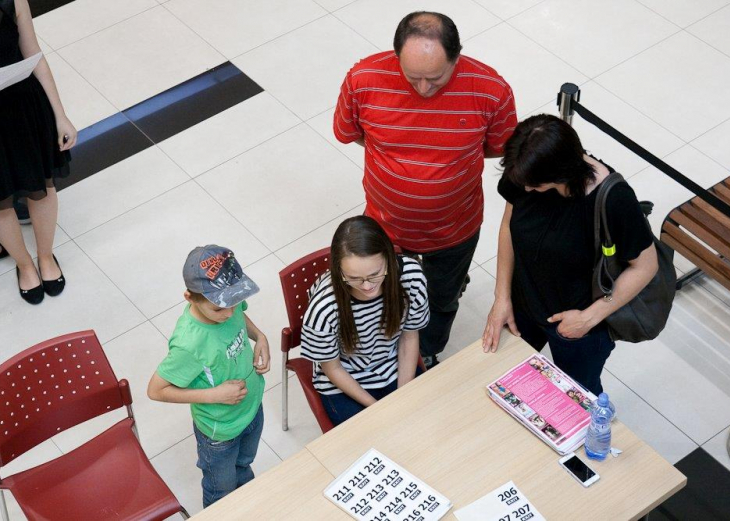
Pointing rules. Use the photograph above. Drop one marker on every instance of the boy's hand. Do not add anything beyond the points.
(230, 392)
(261, 355)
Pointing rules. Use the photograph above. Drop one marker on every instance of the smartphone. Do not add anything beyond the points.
(579, 470)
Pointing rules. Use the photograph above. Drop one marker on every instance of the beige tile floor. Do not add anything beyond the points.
(270, 176)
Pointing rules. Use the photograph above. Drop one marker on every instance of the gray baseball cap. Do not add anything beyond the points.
(214, 272)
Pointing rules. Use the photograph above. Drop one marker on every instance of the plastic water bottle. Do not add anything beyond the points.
(598, 439)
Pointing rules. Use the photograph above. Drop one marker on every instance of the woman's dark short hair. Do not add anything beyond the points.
(433, 26)
(545, 149)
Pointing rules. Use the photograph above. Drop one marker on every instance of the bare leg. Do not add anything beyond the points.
(44, 214)
(12, 239)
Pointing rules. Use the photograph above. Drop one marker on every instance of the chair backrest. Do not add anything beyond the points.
(296, 279)
(53, 386)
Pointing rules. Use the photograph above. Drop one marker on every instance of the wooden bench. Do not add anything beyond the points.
(702, 234)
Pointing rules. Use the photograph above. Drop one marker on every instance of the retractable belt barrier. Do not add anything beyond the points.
(637, 149)
(707, 221)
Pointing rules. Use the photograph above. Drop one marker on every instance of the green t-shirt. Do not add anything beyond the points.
(202, 356)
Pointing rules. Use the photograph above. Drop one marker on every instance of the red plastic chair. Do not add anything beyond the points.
(296, 279)
(51, 387)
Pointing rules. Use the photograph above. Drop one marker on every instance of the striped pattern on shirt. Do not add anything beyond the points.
(375, 362)
(424, 157)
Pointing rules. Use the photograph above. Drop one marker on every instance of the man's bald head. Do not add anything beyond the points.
(429, 26)
(427, 46)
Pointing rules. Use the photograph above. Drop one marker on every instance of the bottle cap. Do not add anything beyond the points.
(603, 400)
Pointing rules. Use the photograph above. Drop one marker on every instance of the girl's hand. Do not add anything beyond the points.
(500, 315)
(65, 130)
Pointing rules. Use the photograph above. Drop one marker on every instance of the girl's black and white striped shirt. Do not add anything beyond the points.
(375, 362)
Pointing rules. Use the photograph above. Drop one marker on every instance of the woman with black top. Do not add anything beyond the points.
(361, 325)
(546, 251)
(35, 136)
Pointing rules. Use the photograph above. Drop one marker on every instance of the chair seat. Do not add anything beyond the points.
(109, 477)
(303, 368)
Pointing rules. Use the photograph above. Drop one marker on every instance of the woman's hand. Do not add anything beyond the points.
(573, 323)
(500, 315)
(65, 130)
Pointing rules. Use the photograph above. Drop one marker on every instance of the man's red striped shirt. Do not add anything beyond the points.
(424, 156)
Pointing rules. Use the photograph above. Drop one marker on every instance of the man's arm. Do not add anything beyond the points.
(345, 123)
(501, 125)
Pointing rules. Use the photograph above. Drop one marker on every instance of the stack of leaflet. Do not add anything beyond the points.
(546, 401)
(376, 488)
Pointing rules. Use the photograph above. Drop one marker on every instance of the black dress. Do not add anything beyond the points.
(29, 155)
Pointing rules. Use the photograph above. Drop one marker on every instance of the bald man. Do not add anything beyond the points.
(427, 117)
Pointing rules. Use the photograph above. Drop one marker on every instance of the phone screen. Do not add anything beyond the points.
(579, 469)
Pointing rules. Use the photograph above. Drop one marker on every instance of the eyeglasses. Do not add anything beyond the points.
(375, 279)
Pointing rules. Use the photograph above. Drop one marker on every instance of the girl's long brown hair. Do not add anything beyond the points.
(363, 237)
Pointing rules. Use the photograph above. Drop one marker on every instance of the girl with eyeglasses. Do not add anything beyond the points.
(361, 326)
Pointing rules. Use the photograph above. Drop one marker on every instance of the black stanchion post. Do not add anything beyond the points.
(569, 92)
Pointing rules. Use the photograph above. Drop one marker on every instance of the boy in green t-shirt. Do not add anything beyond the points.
(211, 366)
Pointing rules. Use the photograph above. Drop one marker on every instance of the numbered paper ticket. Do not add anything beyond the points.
(377, 489)
(505, 503)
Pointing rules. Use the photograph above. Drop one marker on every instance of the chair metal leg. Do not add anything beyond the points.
(284, 392)
(184, 513)
(130, 413)
(3, 507)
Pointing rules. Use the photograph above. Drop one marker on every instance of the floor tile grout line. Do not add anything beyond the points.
(312, 231)
(262, 439)
(170, 447)
(711, 46)
(650, 406)
(188, 174)
(358, 33)
(102, 29)
(726, 6)
(660, 15)
(721, 431)
(684, 28)
(710, 130)
(176, 17)
(488, 10)
(108, 277)
(239, 222)
(327, 13)
(125, 212)
(335, 147)
(101, 94)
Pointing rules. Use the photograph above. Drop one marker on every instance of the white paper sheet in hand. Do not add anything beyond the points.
(377, 489)
(505, 503)
(16, 72)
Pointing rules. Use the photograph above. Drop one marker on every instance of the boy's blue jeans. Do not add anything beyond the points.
(226, 465)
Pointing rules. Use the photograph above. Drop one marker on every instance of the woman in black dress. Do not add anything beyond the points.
(546, 251)
(35, 136)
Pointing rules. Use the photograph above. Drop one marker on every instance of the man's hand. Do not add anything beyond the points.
(500, 315)
(261, 355)
(230, 392)
(573, 323)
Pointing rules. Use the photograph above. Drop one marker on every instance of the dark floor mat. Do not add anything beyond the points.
(706, 496)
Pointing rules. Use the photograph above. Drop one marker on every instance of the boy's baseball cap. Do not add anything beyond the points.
(214, 272)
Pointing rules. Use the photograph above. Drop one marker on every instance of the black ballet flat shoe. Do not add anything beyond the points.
(54, 287)
(33, 295)
(3, 252)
